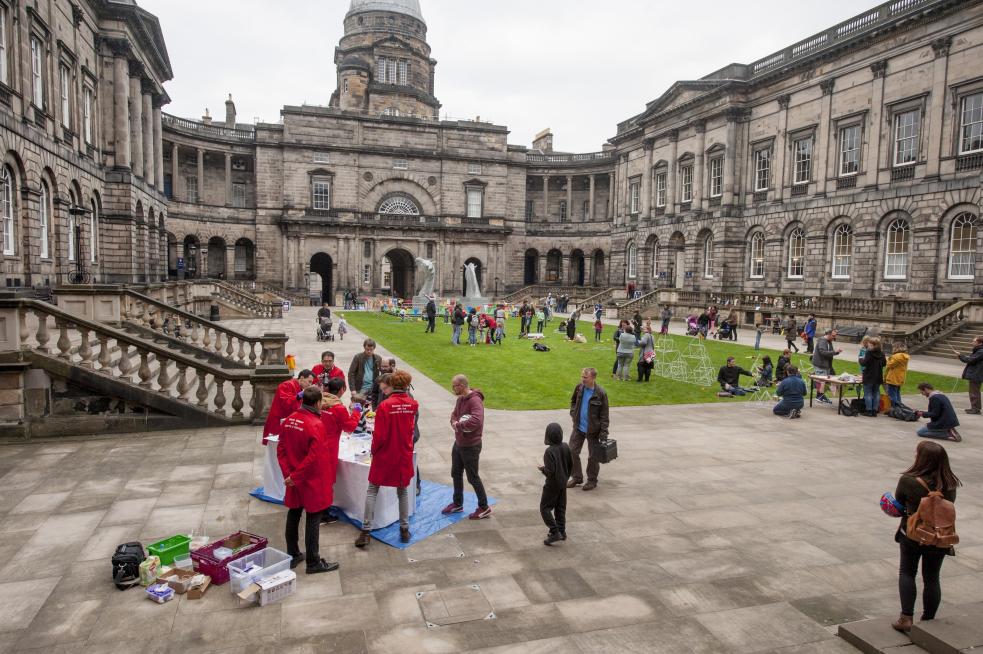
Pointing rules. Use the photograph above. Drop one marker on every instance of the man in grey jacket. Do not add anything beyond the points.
(822, 361)
(589, 411)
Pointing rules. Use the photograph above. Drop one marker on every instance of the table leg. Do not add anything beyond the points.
(839, 401)
(812, 387)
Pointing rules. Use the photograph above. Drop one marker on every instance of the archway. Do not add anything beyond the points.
(554, 266)
(600, 275)
(477, 273)
(577, 272)
(191, 250)
(172, 256)
(530, 273)
(402, 273)
(245, 257)
(677, 260)
(322, 265)
(216, 257)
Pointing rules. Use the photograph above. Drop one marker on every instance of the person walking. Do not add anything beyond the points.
(792, 390)
(896, 372)
(286, 400)
(822, 361)
(873, 375)
(646, 354)
(431, 312)
(942, 417)
(973, 372)
(468, 423)
(929, 472)
(557, 462)
(309, 463)
(392, 454)
(589, 412)
(625, 353)
(598, 328)
(364, 369)
(666, 317)
(732, 321)
(810, 332)
(457, 322)
(791, 334)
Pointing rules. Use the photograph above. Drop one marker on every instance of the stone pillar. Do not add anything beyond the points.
(673, 167)
(546, 198)
(936, 106)
(149, 158)
(824, 128)
(158, 151)
(136, 127)
(779, 165)
(698, 167)
(228, 179)
(174, 169)
(646, 190)
(570, 198)
(871, 164)
(201, 175)
(230, 261)
(590, 200)
(301, 258)
(121, 111)
(730, 158)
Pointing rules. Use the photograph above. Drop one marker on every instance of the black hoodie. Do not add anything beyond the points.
(557, 460)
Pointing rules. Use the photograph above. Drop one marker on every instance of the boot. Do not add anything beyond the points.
(902, 624)
(404, 534)
(553, 537)
(363, 538)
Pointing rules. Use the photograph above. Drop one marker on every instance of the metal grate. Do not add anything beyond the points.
(799, 190)
(902, 173)
(846, 182)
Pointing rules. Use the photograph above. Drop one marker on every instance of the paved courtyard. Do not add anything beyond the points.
(722, 529)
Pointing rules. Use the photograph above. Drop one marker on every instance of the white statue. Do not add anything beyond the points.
(471, 277)
(429, 271)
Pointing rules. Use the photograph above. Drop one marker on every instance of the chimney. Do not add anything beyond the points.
(230, 113)
(207, 119)
(543, 141)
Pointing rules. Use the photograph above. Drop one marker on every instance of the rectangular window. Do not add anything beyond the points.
(322, 157)
(971, 124)
(586, 210)
(87, 114)
(906, 126)
(660, 189)
(803, 160)
(563, 211)
(633, 197)
(3, 46)
(241, 259)
(716, 177)
(528, 210)
(71, 236)
(762, 169)
(321, 193)
(239, 195)
(474, 168)
(474, 203)
(365, 275)
(850, 150)
(402, 69)
(400, 164)
(686, 173)
(37, 72)
(191, 184)
(381, 70)
(64, 83)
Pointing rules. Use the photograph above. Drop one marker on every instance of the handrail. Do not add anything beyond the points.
(639, 302)
(294, 296)
(246, 301)
(932, 328)
(597, 296)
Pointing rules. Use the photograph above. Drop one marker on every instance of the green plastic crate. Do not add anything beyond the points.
(169, 548)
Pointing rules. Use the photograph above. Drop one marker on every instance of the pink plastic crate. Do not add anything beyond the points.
(207, 563)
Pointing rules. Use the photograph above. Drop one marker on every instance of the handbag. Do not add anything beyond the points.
(608, 450)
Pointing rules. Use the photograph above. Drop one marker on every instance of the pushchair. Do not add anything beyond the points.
(692, 326)
(324, 332)
(723, 332)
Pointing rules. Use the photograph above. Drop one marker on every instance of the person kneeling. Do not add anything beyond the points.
(942, 417)
(557, 463)
(792, 390)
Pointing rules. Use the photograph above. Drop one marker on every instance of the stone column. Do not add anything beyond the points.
(673, 167)
(201, 175)
(698, 167)
(590, 200)
(546, 198)
(158, 151)
(301, 258)
(136, 127)
(174, 169)
(824, 128)
(121, 111)
(570, 198)
(730, 158)
(149, 158)
(228, 179)
(610, 196)
(933, 118)
(779, 165)
(871, 163)
(646, 190)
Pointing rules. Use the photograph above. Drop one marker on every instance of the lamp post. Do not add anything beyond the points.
(192, 263)
(80, 275)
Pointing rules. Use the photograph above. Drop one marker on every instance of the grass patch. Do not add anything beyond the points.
(514, 376)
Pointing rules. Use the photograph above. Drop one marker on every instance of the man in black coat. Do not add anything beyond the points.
(973, 372)
(431, 312)
(557, 462)
(589, 411)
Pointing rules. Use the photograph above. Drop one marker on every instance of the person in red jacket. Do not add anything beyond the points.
(392, 454)
(285, 401)
(468, 422)
(309, 468)
(336, 419)
(328, 370)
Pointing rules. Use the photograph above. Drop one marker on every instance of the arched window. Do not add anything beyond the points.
(7, 202)
(72, 207)
(708, 257)
(962, 247)
(796, 253)
(44, 215)
(632, 255)
(93, 231)
(757, 255)
(896, 250)
(655, 259)
(400, 205)
(842, 251)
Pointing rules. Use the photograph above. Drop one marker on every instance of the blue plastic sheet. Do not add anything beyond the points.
(259, 494)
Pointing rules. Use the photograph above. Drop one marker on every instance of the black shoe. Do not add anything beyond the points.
(296, 560)
(328, 518)
(974, 412)
(553, 537)
(563, 535)
(321, 566)
(404, 534)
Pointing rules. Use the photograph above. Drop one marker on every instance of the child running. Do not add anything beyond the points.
(557, 463)
(342, 326)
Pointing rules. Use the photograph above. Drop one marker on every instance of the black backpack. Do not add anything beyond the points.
(126, 564)
(846, 409)
(539, 347)
(902, 412)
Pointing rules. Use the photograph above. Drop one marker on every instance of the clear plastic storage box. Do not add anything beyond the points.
(259, 565)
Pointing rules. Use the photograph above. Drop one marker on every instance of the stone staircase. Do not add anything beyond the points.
(958, 631)
(960, 339)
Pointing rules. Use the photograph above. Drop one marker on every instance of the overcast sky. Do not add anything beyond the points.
(576, 66)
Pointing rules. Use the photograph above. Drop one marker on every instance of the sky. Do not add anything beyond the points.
(577, 67)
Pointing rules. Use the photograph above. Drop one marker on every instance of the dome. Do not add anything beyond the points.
(407, 7)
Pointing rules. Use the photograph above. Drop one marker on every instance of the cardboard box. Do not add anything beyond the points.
(178, 579)
(198, 592)
(272, 589)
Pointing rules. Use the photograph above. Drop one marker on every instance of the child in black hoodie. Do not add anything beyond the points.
(557, 463)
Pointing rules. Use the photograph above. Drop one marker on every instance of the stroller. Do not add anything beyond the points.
(324, 332)
(692, 326)
(723, 332)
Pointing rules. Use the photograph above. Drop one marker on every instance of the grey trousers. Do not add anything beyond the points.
(370, 497)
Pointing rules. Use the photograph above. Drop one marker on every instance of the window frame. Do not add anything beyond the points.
(38, 58)
(796, 254)
(661, 189)
(321, 192)
(841, 132)
(469, 191)
(44, 220)
(762, 155)
(586, 206)
(4, 54)
(94, 232)
(191, 189)
(973, 222)
(686, 182)
(401, 164)
(756, 267)
(716, 174)
(634, 196)
(563, 211)
(797, 159)
(842, 232)
(960, 135)
(631, 258)
(239, 195)
(708, 257)
(905, 228)
(73, 203)
(7, 210)
(65, 94)
(474, 168)
(655, 259)
(914, 138)
(88, 98)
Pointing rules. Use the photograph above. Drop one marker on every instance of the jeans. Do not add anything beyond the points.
(456, 336)
(872, 396)
(539, 325)
(974, 395)
(553, 509)
(733, 333)
(925, 432)
(464, 460)
(931, 559)
(472, 335)
(893, 392)
(665, 327)
(597, 337)
(311, 534)
(624, 364)
(810, 343)
(757, 341)
(370, 497)
(736, 390)
(791, 345)
(577, 439)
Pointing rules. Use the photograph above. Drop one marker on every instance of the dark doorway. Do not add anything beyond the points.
(191, 251)
(477, 273)
(577, 268)
(322, 265)
(216, 257)
(531, 268)
(600, 275)
(402, 268)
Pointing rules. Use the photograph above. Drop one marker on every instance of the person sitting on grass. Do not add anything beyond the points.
(942, 417)
(765, 372)
(792, 390)
(729, 378)
(781, 367)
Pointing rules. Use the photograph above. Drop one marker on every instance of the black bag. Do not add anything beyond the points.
(903, 413)
(608, 451)
(539, 347)
(858, 405)
(126, 564)
(847, 409)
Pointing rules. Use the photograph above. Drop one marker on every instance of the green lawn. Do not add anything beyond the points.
(514, 376)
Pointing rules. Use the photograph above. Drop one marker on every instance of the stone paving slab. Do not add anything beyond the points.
(718, 530)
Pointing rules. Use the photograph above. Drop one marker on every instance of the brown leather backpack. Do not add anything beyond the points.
(934, 523)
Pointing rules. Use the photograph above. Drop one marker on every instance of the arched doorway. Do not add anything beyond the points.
(530, 268)
(554, 266)
(216, 257)
(677, 260)
(577, 272)
(402, 273)
(599, 275)
(245, 267)
(191, 250)
(477, 273)
(322, 265)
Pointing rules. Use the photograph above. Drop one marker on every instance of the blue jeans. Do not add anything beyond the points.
(893, 392)
(872, 396)
(783, 408)
(456, 336)
(925, 432)
(472, 335)
(757, 341)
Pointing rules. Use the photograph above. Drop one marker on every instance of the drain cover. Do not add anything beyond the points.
(454, 605)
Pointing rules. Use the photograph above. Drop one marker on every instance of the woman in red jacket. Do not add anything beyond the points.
(392, 454)
(308, 474)
(285, 401)
(336, 420)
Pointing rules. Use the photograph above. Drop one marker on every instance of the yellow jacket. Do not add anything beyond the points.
(897, 369)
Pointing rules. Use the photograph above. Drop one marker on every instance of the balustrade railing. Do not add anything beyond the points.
(642, 302)
(295, 297)
(932, 328)
(247, 302)
(594, 298)
(186, 124)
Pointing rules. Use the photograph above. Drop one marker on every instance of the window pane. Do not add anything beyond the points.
(842, 251)
(3, 45)
(191, 183)
(632, 254)
(633, 197)
(687, 175)
(906, 137)
(803, 161)
(37, 68)
(93, 232)
(7, 201)
(44, 221)
(762, 169)
(660, 190)
(896, 253)
(708, 257)
(758, 255)
(972, 124)
(321, 194)
(796, 253)
(850, 150)
(962, 249)
(716, 177)
(474, 203)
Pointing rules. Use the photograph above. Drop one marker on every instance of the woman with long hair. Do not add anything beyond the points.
(930, 471)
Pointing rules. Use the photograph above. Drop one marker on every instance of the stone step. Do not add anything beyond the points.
(959, 631)
(876, 636)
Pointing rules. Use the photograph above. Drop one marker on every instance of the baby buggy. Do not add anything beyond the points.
(324, 332)
(723, 332)
(692, 326)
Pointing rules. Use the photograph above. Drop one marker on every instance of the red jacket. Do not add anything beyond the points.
(310, 459)
(285, 402)
(468, 433)
(336, 419)
(392, 441)
(322, 381)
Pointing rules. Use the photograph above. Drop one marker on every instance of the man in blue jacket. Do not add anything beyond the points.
(792, 390)
(810, 331)
(942, 417)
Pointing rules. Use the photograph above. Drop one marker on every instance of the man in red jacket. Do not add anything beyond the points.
(328, 370)
(285, 401)
(468, 422)
(309, 469)
(392, 454)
